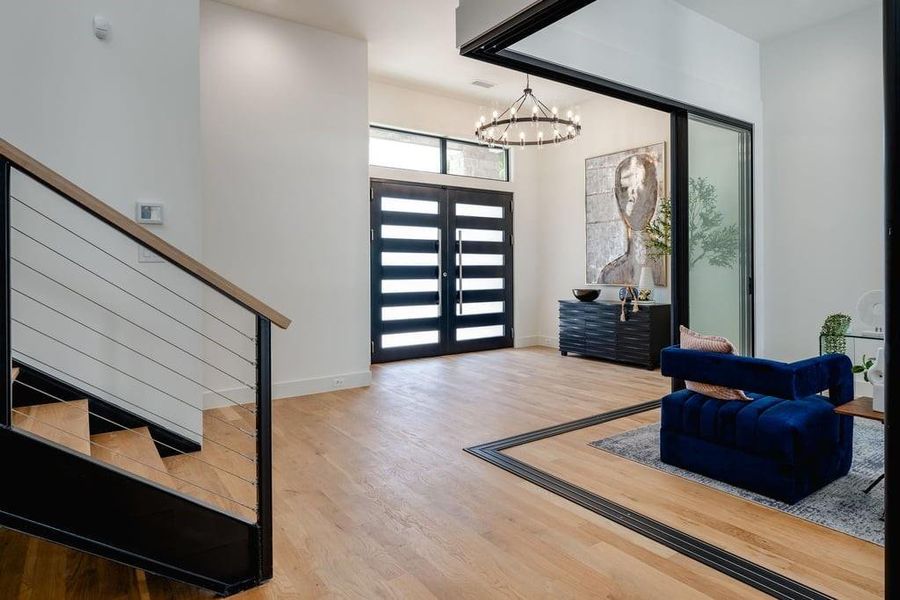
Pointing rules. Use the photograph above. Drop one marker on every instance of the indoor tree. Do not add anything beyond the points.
(710, 240)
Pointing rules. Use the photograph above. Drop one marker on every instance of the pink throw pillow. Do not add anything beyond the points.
(691, 340)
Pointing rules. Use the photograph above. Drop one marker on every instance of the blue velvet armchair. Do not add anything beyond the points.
(785, 444)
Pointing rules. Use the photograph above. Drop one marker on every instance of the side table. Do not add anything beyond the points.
(862, 407)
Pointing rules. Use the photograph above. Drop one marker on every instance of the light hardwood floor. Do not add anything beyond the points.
(374, 497)
(849, 568)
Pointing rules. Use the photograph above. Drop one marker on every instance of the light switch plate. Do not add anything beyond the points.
(149, 213)
(145, 255)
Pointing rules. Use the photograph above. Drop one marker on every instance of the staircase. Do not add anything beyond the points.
(133, 442)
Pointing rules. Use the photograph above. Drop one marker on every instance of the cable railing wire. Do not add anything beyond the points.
(138, 271)
(139, 326)
(139, 353)
(123, 290)
(127, 374)
(134, 431)
(117, 453)
(132, 404)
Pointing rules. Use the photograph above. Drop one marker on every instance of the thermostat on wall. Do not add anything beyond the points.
(149, 213)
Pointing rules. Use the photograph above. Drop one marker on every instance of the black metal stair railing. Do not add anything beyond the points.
(165, 355)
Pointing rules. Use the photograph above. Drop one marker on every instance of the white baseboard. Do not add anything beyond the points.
(536, 340)
(289, 389)
(550, 342)
(528, 340)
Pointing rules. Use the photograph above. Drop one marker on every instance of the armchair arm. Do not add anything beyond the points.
(791, 381)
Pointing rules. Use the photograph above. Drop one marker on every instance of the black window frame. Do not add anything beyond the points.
(443, 148)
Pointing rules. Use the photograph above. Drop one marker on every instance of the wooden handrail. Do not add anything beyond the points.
(114, 218)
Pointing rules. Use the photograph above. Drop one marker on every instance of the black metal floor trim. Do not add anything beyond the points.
(741, 569)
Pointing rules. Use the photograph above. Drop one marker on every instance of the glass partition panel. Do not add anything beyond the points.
(719, 231)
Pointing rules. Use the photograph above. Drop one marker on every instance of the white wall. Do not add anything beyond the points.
(120, 118)
(824, 176)
(609, 126)
(284, 133)
(395, 106)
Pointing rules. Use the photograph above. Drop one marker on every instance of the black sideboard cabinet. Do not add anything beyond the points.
(596, 329)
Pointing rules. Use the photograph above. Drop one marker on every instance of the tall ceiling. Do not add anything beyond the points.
(413, 43)
(761, 20)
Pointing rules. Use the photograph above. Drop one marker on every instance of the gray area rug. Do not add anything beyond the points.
(841, 505)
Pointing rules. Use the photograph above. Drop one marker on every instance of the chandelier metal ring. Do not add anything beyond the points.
(496, 131)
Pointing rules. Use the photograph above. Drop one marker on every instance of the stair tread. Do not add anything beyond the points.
(15, 373)
(134, 451)
(211, 484)
(66, 423)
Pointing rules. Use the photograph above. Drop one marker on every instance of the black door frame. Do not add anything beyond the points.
(891, 51)
(493, 47)
(447, 272)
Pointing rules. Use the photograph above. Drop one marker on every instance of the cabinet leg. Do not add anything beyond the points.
(563, 352)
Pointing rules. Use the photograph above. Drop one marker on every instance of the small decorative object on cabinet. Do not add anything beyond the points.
(586, 294)
(875, 375)
(645, 285)
(595, 329)
(627, 293)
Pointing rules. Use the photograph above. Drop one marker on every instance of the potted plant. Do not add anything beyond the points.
(833, 330)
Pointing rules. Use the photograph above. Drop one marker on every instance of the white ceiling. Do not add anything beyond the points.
(413, 43)
(764, 19)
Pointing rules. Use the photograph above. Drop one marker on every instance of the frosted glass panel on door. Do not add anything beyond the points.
(399, 313)
(480, 260)
(409, 259)
(480, 235)
(480, 283)
(422, 207)
(479, 210)
(417, 338)
(718, 232)
(479, 308)
(477, 333)
(404, 232)
(397, 286)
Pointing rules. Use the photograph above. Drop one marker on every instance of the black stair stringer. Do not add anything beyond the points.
(64, 497)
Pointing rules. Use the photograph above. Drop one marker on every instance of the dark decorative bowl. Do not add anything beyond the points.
(586, 295)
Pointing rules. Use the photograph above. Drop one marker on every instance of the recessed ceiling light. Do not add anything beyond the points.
(483, 84)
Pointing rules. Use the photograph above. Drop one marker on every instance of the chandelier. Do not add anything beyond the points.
(520, 125)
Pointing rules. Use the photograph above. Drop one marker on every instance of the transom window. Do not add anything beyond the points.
(432, 154)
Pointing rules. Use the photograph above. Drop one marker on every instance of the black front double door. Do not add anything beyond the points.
(441, 270)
